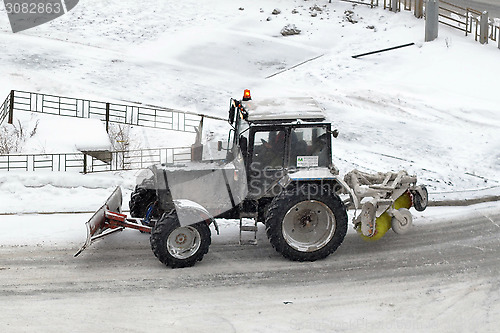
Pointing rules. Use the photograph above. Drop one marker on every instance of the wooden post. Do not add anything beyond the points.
(11, 107)
(84, 163)
(107, 117)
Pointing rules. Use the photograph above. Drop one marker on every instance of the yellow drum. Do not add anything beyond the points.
(383, 222)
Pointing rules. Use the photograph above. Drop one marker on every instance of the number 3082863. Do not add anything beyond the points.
(33, 8)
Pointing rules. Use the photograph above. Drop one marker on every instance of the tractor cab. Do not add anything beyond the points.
(278, 136)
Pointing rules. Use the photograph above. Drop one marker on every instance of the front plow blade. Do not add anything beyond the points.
(96, 226)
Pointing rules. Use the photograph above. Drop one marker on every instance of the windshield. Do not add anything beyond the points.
(309, 147)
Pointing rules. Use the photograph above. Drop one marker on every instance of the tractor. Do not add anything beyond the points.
(276, 169)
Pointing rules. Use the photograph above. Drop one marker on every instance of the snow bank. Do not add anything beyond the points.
(30, 192)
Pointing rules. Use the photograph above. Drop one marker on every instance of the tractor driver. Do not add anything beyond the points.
(273, 150)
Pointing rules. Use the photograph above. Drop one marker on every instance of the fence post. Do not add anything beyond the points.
(11, 107)
(84, 163)
(394, 5)
(419, 8)
(431, 20)
(107, 117)
(483, 28)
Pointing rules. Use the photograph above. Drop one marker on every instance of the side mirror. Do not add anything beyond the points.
(335, 133)
(219, 145)
(232, 113)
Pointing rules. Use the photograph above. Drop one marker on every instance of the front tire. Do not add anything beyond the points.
(177, 246)
(306, 223)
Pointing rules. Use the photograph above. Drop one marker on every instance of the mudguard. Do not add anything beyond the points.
(322, 175)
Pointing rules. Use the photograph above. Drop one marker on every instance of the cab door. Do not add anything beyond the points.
(266, 159)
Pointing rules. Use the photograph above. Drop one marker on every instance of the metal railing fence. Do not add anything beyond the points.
(459, 18)
(38, 162)
(371, 3)
(163, 118)
(465, 19)
(155, 117)
(81, 162)
(4, 109)
(494, 33)
(139, 159)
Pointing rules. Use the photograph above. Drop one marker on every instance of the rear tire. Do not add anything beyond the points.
(306, 223)
(140, 200)
(177, 246)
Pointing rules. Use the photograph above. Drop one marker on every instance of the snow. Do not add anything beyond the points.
(431, 108)
(291, 107)
(45, 192)
(56, 134)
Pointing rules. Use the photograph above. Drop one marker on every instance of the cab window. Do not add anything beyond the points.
(269, 149)
(309, 147)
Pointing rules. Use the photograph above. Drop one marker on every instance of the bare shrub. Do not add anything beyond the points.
(13, 137)
(119, 136)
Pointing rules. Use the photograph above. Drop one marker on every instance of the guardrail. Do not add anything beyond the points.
(85, 163)
(155, 117)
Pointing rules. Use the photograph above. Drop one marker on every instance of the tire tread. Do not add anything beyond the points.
(282, 203)
(162, 230)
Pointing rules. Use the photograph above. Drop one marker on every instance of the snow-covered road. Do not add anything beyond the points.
(442, 277)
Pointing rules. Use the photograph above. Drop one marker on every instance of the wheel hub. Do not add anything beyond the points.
(402, 221)
(308, 226)
(183, 242)
(306, 221)
(181, 238)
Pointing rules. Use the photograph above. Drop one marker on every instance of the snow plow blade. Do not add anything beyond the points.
(97, 226)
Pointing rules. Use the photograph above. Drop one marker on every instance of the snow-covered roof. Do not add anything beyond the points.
(305, 108)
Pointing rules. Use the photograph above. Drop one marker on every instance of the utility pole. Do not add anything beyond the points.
(483, 28)
(431, 20)
(394, 6)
